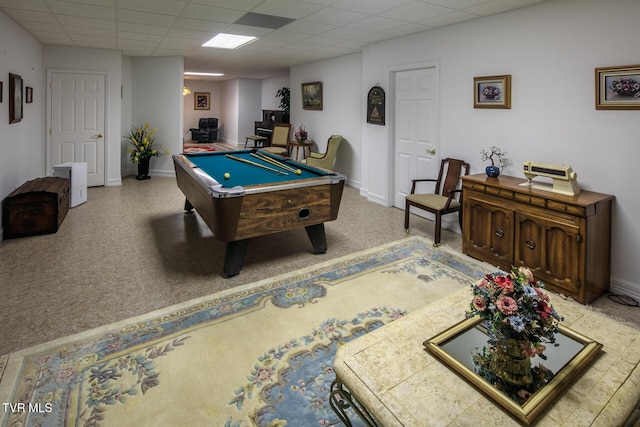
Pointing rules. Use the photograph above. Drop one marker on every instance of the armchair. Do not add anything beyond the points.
(327, 159)
(207, 130)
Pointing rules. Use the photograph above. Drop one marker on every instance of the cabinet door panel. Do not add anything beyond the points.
(488, 234)
(552, 250)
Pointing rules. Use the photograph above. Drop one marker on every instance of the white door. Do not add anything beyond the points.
(415, 129)
(77, 122)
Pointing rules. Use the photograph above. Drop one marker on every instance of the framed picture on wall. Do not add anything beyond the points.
(618, 88)
(492, 92)
(15, 98)
(28, 95)
(312, 96)
(201, 100)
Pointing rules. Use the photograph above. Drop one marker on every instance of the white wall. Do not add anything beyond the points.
(551, 51)
(342, 111)
(109, 62)
(158, 81)
(192, 116)
(240, 101)
(22, 145)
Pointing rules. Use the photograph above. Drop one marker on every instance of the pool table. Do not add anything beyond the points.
(239, 200)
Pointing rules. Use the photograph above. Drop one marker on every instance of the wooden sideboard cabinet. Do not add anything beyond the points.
(564, 240)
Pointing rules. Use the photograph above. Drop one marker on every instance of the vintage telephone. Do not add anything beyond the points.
(565, 180)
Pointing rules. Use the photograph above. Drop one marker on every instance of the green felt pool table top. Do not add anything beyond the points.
(240, 173)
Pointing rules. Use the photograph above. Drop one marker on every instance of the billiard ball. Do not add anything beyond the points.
(298, 172)
(227, 175)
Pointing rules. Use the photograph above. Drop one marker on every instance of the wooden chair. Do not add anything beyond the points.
(327, 159)
(280, 139)
(442, 200)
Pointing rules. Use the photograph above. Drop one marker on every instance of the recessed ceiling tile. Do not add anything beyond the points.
(416, 11)
(372, 7)
(308, 27)
(87, 22)
(448, 19)
(407, 29)
(188, 34)
(133, 36)
(378, 23)
(498, 6)
(81, 9)
(457, 4)
(199, 25)
(32, 16)
(218, 14)
(51, 38)
(335, 16)
(145, 29)
(92, 32)
(349, 33)
(287, 8)
(245, 5)
(145, 18)
(163, 7)
(35, 5)
(286, 36)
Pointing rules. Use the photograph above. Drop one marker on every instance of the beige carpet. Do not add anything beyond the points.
(253, 355)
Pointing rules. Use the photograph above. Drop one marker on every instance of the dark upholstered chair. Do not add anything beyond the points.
(207, 130)
(443, 199)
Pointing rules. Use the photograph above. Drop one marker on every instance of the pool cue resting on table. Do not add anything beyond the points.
(256, 164)
(275, 162)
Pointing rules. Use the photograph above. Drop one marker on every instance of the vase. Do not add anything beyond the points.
(512, 365)
(493, 171)
(143, 169)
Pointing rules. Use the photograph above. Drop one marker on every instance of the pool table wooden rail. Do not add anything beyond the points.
(259, 210)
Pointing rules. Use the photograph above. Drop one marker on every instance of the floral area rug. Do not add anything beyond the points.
(198, 148)
(256, 355)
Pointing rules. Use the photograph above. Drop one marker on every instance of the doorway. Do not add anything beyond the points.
(76, 113)
(415, 132)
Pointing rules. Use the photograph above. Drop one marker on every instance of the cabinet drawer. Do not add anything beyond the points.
(473, 186)
(532, 200)
(507, 194)
(564, 207)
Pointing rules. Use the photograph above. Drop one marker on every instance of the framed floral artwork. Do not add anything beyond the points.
(15, 98)
(618, 88)
(492, 92)
(312, 96)
(201, 100)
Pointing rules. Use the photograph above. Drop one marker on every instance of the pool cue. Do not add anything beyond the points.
(274, 162)
(256, 164)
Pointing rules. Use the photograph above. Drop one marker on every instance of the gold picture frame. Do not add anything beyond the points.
(618, 88)
(453, 345)
(15, 98)
(492, 92)
(312, 96)
(201, 100)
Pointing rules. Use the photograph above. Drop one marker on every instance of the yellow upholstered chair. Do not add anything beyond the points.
(443, 199)
(327, 159)
(279, 140)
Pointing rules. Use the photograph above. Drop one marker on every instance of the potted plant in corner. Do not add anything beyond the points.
(143, 147)
(285, 102)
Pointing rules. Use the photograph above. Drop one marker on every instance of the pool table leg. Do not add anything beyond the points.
(187, 205)
(318, 238)
(234, 257)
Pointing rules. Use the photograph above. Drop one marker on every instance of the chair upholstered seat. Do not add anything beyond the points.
(207, 130)
(327, 159)
(442, 200)
(434, 201)
(280, 140)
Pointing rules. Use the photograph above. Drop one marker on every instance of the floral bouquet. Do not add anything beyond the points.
(491, 92)
(300, 134)
(516, 306)
(626, 87)
(143, 143)
(519, 320)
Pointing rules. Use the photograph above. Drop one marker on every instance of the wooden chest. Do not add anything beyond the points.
(37, 207)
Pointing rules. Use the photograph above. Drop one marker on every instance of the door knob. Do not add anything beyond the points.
(432, 151)
(98, 136)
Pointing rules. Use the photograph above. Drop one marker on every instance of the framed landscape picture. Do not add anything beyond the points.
(201, 100)
(618, 88)
(492, 92)
(15, 98)
(312, 96)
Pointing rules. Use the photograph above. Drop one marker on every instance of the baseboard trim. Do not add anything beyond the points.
(624, 287)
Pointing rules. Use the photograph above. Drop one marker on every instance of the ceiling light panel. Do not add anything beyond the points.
(228, 41)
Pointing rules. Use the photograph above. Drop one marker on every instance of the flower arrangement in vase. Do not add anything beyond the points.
(143, 147)
(493, 171)
(300, 134)
(519, 320)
